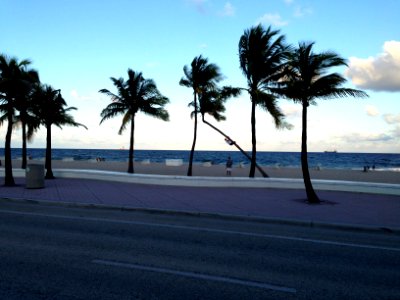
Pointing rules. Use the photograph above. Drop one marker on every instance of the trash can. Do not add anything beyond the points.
(34, 176)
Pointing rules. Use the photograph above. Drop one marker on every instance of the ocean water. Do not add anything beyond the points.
(381, 161)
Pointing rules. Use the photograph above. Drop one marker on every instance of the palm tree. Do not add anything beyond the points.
(200, 76)
(306, 81)
(262, 53)
(134, 95)
(14, 85)
(213, 103)
(50, 109)
(23, 103)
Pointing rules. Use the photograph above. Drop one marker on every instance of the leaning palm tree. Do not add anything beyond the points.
(134, 95)
(306, 81)
(200, 76)
(13, 82)
(50, 109)
(213, 104)
(262, 53)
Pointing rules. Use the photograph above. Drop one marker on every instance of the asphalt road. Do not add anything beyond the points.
(52, 252)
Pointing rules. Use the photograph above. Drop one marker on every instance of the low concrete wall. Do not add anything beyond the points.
(174, 162)
(238, 182)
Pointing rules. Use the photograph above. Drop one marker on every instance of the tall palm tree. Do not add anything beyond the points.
(306, 81)
(213, 104)
(262, 53)
(29, 78)
(200, 76)
(13, 87)
(134, 95)
(50, 109)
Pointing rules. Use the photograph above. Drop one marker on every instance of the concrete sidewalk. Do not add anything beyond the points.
(339, 208)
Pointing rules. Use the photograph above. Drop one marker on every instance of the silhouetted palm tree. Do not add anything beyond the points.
(28, 80)
(200, 76)
(262, 53)
(306, 81)
(134, 95)
(14, 84)
(50, 109)
(213, 103)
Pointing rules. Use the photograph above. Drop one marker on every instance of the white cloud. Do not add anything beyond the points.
(74, 94)
(199, 4)
(291, 110)
(396, 132)
(391, 118)
(229, 10)
(205, 7)
(358, 138)
(379, 73)
(300, 11)
(272, 19)
(152, 64)
(371, 110)
(203, 46)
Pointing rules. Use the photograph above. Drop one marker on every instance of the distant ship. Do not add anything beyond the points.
(333, 151)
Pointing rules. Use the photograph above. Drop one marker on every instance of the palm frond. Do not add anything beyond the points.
(49, 109)
(307, 79)
(185, 82)
(3, 118)
(134, 95)
(112, 110)
(228, 92)
(344, 93)
(125, 120)
(158, 113)
(262, 53)
(212, 101)
(111, 95)
(70, 108)
(269, 103)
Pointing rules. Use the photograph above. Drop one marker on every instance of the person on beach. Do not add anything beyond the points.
(229, 164)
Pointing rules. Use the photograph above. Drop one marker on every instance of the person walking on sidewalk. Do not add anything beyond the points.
(229, 164)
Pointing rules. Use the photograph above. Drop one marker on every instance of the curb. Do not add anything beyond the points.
(231, 217)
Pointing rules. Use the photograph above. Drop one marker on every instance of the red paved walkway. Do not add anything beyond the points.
(356, 209)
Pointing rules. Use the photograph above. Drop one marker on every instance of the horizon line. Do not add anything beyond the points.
(188, 150)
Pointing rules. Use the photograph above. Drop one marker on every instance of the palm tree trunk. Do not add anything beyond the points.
(49, 171)
(24, 151)
(253, 138)
(8, 179)
(236, 145)
(131, 143)
(311, 195)
(190, 167)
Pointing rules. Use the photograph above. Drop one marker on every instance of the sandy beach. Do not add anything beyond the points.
(219, 170)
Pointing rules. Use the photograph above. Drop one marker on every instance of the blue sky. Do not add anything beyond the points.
(77, 45)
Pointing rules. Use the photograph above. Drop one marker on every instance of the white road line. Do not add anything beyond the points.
(211, 230)
(196, 275)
